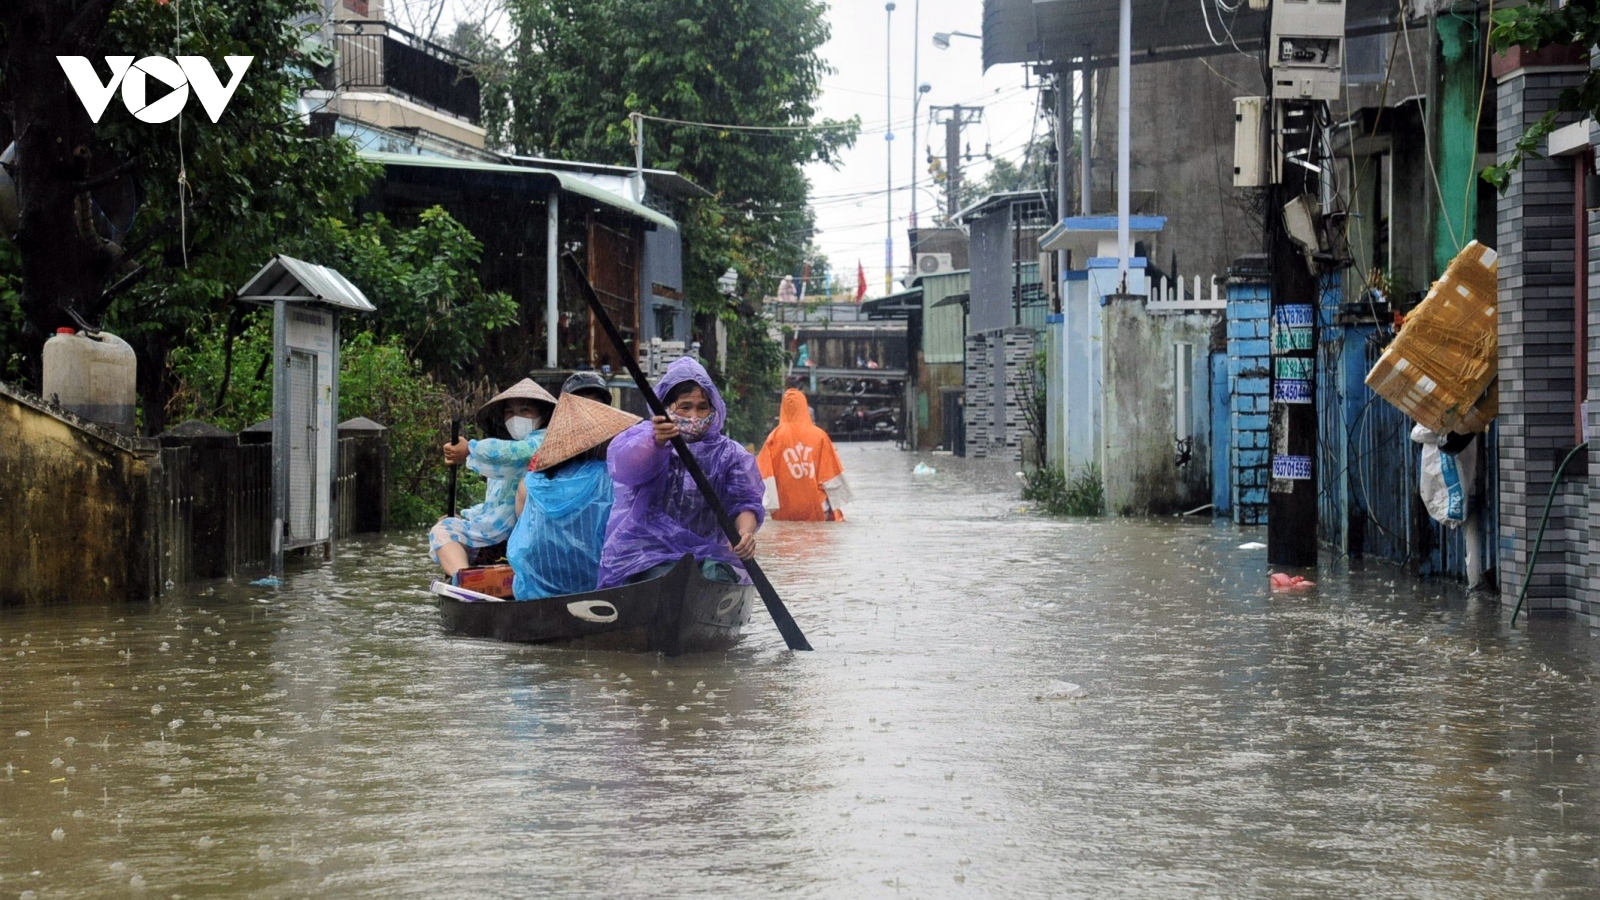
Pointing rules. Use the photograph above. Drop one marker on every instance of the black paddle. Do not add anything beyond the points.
(455, 435)
(792, 635)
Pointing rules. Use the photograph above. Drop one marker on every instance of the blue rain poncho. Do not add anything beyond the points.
(659, 513)
(555, 546)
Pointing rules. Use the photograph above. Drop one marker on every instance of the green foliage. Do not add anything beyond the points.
(11, 316)
(577, 70)
(423, 281)
(1058, 495)
(376, 380)
(1033, 391)
(1005, 175)
(753, 381)
(217, 198)
(249, 181)
(1534, 26)
(379, 381)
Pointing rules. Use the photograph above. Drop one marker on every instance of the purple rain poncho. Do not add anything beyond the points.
(659, 514)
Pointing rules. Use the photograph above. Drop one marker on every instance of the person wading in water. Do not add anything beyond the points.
(804, 480)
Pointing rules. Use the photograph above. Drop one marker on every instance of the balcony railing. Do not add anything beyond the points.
(378, 56)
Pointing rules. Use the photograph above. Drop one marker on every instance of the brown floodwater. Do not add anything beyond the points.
(1378, 736)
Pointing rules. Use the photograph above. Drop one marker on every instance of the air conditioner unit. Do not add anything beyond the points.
(935, 263)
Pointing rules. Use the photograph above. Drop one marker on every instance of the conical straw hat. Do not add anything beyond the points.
(579, 424)
(490, 414)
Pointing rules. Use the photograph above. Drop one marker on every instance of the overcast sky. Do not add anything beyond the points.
(851, 227)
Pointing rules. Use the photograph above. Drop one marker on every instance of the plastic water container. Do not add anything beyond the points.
(92, 376)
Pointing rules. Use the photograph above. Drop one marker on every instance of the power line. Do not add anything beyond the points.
(837, 126)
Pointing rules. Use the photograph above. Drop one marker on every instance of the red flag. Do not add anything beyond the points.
(861, 281)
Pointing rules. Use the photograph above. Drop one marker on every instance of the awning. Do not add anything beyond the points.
(528, 178)
(897, 305)
(1026, 31)
(295, 280)
(1077, 233)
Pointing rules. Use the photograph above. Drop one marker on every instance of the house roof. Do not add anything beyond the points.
(1025, 31)
(1001, 198)
(664, 181)
(287, 278)
(917, 280)
(535, 178)
(897, 305)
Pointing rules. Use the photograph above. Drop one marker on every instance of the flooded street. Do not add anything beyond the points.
(1376, 737)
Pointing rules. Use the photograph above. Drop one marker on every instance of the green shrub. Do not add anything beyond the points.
(1058, 495)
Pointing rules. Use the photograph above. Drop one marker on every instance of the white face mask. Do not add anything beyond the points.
(521, 426)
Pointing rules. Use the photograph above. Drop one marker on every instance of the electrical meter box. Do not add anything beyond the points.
(306, 300)
(1249, 142)
(1306, 50)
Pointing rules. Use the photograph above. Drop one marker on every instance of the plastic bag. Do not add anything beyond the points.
(1447, 479)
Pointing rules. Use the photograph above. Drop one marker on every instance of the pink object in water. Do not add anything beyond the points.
(1285, 582)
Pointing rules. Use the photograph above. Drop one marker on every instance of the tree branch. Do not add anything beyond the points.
(86, 25)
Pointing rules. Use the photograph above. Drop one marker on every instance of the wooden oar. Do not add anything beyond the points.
(792, 635)
(455, 435)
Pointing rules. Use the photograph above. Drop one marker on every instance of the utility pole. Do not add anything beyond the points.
(1304, 49)
(888, 171)
(1292, 414)
(956, 117)
(918, 89)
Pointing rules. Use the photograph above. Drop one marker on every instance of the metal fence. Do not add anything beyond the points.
(1369, 469)
(377, 55)
(214, 505)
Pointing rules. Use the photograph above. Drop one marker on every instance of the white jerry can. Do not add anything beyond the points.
(93, 377)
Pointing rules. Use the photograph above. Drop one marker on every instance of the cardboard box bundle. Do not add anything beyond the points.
(492, 580)
(1441, 369)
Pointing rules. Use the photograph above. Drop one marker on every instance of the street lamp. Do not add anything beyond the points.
(916, 170)
(888, 173)
(941, 39)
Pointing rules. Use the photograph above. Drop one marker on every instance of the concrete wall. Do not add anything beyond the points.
(77, 497)
(1535, 236)
(1140, 470)
(1181, 148)
(932, 379)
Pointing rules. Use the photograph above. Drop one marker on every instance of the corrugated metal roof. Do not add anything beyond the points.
(663, 180)
(287, 278)
(546, 178)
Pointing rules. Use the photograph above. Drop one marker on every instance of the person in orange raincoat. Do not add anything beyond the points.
(804, 481)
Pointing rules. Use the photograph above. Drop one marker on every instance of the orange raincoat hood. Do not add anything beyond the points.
(799, 457)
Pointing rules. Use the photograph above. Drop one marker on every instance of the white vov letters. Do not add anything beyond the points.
(188, 72)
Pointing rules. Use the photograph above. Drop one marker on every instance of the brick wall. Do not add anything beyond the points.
(1249, 384)
(996, 361)
(1535, 237)
(1588, 597)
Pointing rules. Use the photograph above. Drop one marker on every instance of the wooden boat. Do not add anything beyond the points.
(679, 612)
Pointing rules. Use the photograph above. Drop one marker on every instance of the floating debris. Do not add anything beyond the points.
(1062, 690)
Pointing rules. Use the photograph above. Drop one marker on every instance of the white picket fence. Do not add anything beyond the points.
(1173, 299)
